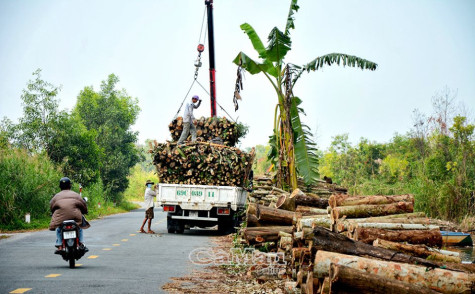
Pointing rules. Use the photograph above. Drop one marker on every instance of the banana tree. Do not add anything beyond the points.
(291, 142)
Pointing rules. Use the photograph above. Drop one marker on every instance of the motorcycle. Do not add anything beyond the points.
(72, 249)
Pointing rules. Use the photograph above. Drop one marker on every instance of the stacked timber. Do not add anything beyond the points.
(211, 128)
(201, 164)
(391, 217)
(357, 244)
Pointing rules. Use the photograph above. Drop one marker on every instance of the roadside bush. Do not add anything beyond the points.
(137, 179)
(27, 184)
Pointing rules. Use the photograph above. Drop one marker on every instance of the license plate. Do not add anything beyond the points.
(69, 235)
(193, 213)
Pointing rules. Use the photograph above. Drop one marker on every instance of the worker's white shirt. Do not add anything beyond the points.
(188, 115)
(148, 196)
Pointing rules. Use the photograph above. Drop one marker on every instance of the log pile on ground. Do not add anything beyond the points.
(356, 244)
(210, 128)
(201, 164)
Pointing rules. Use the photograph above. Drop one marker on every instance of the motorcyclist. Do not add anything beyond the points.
(67, 205)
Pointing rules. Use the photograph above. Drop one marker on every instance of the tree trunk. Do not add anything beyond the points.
(346, 224)
(330, 241)
(346, 280)
(307, 210)
(286, 202)
(440, 280)
(431, 238)
(347, 200)
(302, 199)
(264, 234)
(312, 222)
(275, 216)
(373, 210)
(416, 250)
(252, 220)
(396, 226)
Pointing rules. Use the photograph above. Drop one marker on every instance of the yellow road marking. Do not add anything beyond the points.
(106, 249)
(52, 275)
(93, 256)
(115, 244)
(21, 290)
(78, 264)
(124, 240)
(132, 235)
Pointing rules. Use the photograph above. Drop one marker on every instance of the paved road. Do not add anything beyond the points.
(120, 259)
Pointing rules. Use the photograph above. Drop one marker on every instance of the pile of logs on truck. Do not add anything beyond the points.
(210, 128)
(336, 243)
(211, 160)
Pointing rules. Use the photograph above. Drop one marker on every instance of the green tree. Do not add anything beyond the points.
(75, 149)
(111, 113)
(40, 111)
(292, 142)
(44, 128)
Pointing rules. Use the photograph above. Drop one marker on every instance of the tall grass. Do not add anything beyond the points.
(137, 180)
(27, 184)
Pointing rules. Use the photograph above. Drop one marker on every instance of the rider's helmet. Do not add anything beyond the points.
(65, 183)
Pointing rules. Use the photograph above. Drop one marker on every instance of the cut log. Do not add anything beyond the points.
(275, 216)
(308, 210)
(346, 280)
(344, 225)
(416, 250)
(431, 238)
(441, 280)
(286, 202)
(312, 222)
(252, 220)
(330, 241)
(396, 226)
(347, 200)
(308, 200)
(358, 211)
(255, 235)
(410, 215)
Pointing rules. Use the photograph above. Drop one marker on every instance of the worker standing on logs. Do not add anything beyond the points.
(189, 120)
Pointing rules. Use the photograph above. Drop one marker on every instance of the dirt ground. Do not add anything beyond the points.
(224, 275)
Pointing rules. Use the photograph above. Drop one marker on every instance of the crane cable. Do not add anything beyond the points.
(197, 67)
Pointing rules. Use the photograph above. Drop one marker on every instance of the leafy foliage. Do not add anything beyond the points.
(111, 113)
(440, 175)
(292, 147)
(27, 183)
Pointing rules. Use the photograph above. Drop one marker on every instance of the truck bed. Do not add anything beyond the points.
(201, 197)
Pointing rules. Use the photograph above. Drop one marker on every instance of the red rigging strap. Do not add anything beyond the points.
(212, 69)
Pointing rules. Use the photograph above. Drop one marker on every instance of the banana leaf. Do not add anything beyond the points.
(306, 159)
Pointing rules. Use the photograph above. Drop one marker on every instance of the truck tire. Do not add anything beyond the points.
(226, 226)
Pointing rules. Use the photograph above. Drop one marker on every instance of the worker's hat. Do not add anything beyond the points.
(149, 182)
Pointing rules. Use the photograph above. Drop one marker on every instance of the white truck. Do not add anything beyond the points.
(201, 206)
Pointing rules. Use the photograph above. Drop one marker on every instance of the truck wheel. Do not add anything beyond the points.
(181, 229)
(225, 227)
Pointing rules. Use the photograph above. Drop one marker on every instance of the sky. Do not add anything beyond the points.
(420, 47)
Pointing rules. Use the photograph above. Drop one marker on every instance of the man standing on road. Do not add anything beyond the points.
(149, 203)
(189, 120)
